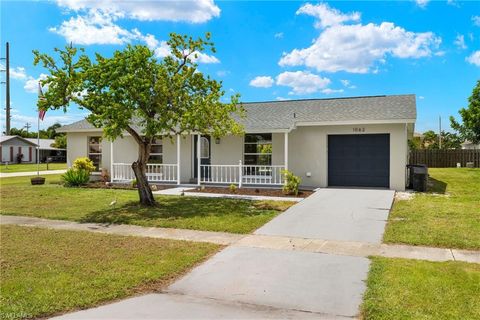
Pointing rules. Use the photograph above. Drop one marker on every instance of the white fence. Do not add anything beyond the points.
(242, 174)
(155, 172)
(215, 174)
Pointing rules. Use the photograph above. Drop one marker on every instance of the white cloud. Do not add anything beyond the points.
(422, 3)
(421, 97)
(18, 73)
(474, 58)
(94, 28)
(262, 82)
(201, 57)
(348, 84)
(281, 98)
(357, 48)
(197, 11)
(476, 20)
(330, 91)
(302, 82)
(327, 16)
(278, 35)
(18, 120)
(31, 85)
(460, 42)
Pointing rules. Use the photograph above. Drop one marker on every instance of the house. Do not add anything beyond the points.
(13, 146)
(16, 149)
(358, 141)
(49, 152)
(467, 145)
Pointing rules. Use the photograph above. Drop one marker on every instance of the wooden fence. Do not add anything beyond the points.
(445, 158)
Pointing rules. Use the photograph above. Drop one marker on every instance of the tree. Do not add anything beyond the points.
(469, 129)
(60, 142)
(430, 140)
(449, 140)
(134, 92)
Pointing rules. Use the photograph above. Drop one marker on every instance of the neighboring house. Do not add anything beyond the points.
(14, 147)
(469, 145)
(47, 151)
(360, 141)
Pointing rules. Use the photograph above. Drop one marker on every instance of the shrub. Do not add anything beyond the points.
(134, 183)
(83, 164)
(76, 177)
(292, 183)
(233, 188)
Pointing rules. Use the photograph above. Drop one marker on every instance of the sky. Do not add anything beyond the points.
(265, 50)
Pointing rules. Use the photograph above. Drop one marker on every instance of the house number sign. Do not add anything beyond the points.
(359, 129)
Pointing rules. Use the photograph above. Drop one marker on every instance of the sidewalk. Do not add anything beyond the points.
(29, 173)
(344, 248)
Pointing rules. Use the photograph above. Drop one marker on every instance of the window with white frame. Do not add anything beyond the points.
(95, 151)
(258, 149)
(156, 151)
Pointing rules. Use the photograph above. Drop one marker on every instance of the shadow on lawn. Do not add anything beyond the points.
(436, 186)
(173, 208)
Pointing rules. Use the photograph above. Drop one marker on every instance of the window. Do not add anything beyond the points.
(204, 148)
(95, 151)
(258, 149)
(156, 151)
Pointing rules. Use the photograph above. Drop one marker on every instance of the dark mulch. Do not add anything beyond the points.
(123, 186)
(252, 192)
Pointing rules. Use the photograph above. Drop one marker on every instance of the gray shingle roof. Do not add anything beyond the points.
(278, 115)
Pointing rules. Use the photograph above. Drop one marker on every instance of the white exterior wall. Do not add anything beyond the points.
(308, 152)
(24, 149)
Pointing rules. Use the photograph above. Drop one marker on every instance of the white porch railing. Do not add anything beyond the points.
(242, 174)
(155, 172)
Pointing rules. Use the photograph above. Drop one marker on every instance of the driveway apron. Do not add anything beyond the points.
(259, 283)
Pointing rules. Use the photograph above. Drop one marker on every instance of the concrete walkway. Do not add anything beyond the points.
(346, 248)
(30, 173)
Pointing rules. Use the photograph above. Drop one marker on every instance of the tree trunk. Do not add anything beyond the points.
(139, 168)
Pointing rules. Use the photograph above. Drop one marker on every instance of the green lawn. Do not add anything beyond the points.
(50, 271)
(54, 201)
(413, 289)
(26, 167)
(447, 216)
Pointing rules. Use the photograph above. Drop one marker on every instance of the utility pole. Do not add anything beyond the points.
(27, 126)
(7, 94)
(440, 132)
(7, 89)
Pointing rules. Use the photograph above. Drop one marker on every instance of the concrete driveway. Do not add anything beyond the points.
(259, 283)
(336, 214)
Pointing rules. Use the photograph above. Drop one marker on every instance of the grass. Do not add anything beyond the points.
(26, 167)
(50, 271)
(414, 289)
(448, 215)
(53, 201)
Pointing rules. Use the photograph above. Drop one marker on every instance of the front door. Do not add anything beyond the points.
(204, 156)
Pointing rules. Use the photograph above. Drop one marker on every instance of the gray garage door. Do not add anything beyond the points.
(361, 160)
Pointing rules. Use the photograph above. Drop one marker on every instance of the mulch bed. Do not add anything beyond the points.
(122, 186)
(252, 192)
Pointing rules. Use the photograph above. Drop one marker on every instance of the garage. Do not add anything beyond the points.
(359, 160)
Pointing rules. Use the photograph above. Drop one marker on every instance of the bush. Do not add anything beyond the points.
(233, 188)
(76, 177)
(83, 164)
(292, 183)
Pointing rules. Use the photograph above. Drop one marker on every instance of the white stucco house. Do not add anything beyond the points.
(12, 146)
(358, 141)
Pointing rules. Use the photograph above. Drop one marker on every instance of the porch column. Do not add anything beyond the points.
(178, 159)
(198, 159)
(111, 161)
(286, 151)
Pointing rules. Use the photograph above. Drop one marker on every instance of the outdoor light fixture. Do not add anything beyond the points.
(217, 140)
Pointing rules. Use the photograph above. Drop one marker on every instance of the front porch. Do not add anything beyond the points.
(223, 171)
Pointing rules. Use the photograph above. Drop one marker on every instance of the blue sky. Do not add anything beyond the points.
(267, 50)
